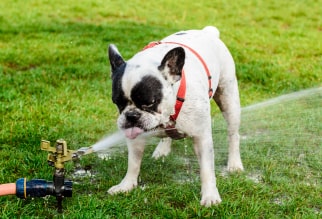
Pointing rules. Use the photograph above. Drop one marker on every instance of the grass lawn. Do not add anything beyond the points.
(55, 83)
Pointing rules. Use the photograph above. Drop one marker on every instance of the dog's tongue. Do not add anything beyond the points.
(133, 132)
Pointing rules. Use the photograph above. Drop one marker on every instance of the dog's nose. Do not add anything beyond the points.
(132, 116)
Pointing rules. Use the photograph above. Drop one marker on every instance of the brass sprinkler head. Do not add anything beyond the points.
(59, 154)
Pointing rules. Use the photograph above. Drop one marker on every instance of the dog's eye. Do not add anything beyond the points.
(149, 105)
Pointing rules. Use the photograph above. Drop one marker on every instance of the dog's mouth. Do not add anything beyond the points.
(133, 132)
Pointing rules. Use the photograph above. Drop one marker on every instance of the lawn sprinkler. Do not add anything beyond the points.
(57, 156)
(59, 187)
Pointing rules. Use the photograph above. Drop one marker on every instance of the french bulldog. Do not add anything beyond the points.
(165, 90)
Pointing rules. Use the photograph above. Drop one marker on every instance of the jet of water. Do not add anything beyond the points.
(116, 139)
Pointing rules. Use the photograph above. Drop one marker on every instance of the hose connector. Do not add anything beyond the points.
(41, 188)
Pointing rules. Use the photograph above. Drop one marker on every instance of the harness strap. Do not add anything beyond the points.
(180, 97)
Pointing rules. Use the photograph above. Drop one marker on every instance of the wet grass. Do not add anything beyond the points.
(55, 83)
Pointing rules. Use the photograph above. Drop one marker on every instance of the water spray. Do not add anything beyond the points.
(114, 139)
(101, 145)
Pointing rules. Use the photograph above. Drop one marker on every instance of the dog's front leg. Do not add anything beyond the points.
(135, 154)
(203, 147)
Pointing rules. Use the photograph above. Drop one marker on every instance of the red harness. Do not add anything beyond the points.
(182, 88)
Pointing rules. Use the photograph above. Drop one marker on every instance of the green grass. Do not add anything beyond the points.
(55, 83)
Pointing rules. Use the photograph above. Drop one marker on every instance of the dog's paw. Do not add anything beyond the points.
(235, 166)
(163, 149)
(122, 187)
(210, 199)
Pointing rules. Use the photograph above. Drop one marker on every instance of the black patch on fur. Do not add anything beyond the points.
(147, 94)
(174, 59)
(117, 93)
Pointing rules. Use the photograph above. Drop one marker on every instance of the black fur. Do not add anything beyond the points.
(117, 93)
(174, 59)
(118, 66)
(115, 57)
(147, 94)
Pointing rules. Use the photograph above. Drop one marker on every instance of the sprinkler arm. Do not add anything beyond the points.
(83, 151)
(58, 155)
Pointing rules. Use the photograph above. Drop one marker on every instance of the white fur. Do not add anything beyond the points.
(194, 118)
(163, 148)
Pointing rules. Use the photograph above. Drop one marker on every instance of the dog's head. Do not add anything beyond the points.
(143, 89)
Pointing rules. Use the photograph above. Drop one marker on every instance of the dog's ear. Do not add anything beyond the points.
(172, 64)
(115, 57)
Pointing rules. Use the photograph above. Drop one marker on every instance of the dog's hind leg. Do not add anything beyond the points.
(227, 98)
(203, 147)
(163, 148)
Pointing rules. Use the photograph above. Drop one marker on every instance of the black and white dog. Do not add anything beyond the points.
(166, 89)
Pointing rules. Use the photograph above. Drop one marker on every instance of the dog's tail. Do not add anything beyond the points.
(213, 30)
